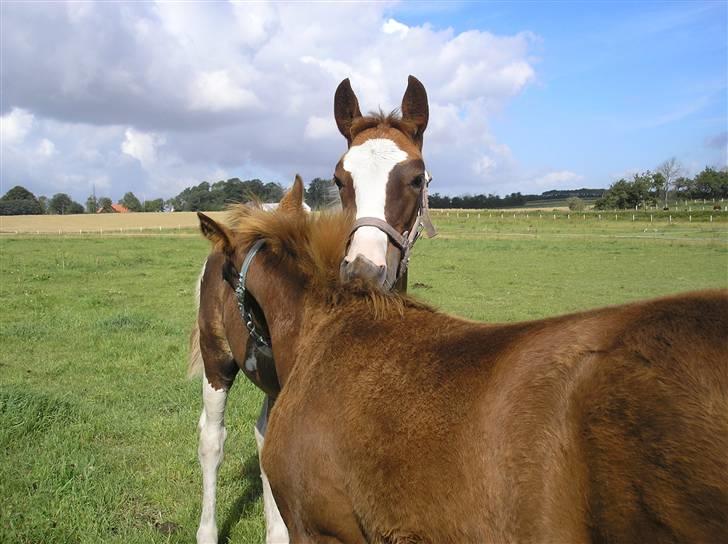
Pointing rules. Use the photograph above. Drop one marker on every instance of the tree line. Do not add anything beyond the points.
(655, 189)
(203, 197)
(643, 190)
(20, 201)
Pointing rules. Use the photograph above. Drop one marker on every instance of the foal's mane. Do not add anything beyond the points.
(383, 120)
(311, 246)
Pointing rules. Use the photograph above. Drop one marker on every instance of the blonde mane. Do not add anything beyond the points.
(311, 246)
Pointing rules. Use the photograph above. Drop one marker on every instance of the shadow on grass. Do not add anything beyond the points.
(246, 502)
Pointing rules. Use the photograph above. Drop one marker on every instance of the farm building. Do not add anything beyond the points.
(115, 208)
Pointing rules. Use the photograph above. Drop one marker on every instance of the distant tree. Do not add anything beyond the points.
(19, 201)
(321, 193)
(196, 198)
(711, 183)
(18, 193)
(131, 202)
(272, 192)
(92, 204)
(670, 170)
(43, 201)
(75, 208)
(437, 201)
(575, 204)
(105, 204)
(156, 205)
(19, 207)
(642, 191)
(60, 204)
(683, 187)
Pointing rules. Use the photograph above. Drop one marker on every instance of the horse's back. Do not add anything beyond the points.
(604, 426)
(651, 418)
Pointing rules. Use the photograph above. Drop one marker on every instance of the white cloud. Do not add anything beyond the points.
(242, 89)
(216, 92)
(392, 26)
(46, 148)
(141, 146)
(14, 126)
(320, 127)
(562, 179)
(255, 21)
(483, 165)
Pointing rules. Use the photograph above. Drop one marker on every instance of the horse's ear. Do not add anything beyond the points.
(346, 108)
(216, 233)
(292, 201)
(415, 108)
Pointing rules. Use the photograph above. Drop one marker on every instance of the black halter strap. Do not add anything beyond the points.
(261, 342)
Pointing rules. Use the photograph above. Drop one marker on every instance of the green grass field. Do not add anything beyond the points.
(98, 422)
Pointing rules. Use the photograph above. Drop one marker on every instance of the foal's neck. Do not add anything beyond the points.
(282, 302)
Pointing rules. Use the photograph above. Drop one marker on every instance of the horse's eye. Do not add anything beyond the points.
(338, 183)
(418, 181)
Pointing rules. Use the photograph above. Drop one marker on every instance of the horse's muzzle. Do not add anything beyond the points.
(364, 269)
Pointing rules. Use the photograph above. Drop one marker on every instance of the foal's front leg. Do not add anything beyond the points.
(212, 440)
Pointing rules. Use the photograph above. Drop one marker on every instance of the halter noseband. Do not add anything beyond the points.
(261, 342)
(406, 240)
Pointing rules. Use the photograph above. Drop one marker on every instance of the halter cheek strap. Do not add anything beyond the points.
(406, 240)
(261, 342)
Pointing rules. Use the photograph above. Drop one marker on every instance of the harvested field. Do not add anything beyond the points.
(94, 223)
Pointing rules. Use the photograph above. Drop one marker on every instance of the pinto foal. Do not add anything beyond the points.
(398, 424)
(382, 182)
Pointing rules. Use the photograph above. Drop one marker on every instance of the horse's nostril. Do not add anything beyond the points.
(363, 268)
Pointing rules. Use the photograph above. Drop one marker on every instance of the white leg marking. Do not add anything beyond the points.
(369, 165)
(275, 529)
(212, 440)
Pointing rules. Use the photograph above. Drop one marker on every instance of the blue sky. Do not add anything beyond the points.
(524, 96)
(621, 86)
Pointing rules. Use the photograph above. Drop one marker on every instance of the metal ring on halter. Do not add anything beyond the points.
(261, 341)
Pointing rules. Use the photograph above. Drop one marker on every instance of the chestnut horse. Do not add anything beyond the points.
(383, 183)
(397, 423)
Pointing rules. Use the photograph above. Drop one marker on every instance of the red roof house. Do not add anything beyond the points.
(115, 208)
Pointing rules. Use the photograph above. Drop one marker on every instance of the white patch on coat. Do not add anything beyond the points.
(251, 363)
(210, 450)
(369, 165)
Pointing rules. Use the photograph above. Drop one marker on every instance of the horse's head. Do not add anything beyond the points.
(228, 243)
(383, 181)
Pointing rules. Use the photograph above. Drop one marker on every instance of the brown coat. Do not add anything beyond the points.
(397, 423)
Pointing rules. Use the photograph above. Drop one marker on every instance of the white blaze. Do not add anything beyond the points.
(369, 165)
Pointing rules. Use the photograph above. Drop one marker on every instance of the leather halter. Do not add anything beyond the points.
(405, 241)
(261, 342)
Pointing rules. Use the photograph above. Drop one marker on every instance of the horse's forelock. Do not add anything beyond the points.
(383, 120)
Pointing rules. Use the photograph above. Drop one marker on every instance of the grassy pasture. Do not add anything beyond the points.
(186, 222)
(97, 421)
